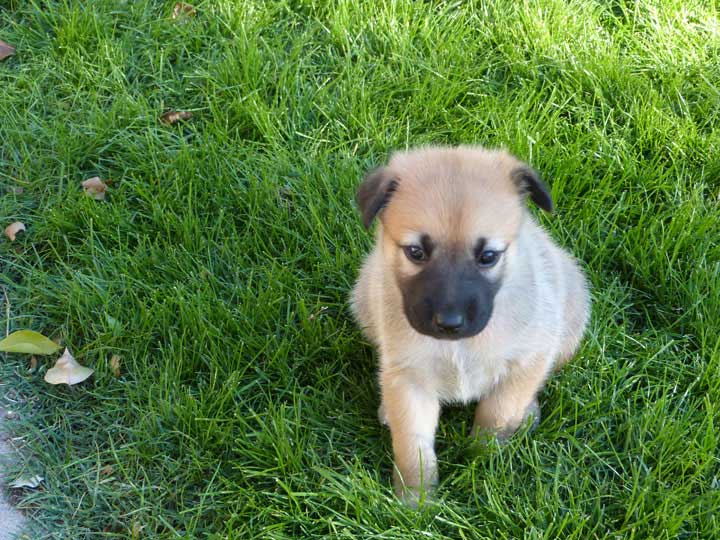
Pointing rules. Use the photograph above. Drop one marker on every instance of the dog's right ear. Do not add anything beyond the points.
(375, 192)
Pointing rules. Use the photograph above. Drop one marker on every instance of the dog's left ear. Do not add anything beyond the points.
(528, 182)
(375, 192)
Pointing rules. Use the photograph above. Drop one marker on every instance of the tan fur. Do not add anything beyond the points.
(456, 195)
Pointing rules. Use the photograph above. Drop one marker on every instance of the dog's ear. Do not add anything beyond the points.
(528, 182)
(375, 192)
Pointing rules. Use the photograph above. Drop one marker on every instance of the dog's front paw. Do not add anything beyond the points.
(417, 493)
(502, 433)
(414, 496)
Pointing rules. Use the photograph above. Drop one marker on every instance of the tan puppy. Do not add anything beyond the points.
(464, 295)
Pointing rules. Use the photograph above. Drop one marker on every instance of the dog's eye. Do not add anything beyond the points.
(488, 258)
(415, 253)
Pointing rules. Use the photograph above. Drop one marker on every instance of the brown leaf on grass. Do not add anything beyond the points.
(115, 364)
(173, 117)
(106, 470)
(33, 362)
(6, 50)
(67, 370)
(14, 228)
(183, 9)
(95, 188)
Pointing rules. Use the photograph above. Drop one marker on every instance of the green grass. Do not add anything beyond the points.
(227, 246)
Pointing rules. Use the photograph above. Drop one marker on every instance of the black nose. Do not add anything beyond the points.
(450, 321)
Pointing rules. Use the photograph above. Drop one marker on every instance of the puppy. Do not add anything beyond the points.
(464, 295)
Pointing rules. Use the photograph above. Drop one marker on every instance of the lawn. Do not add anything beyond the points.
(219, 264)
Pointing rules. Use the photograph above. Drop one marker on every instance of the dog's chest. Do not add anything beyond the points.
(466, 374)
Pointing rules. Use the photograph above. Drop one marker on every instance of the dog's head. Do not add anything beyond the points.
(450, 217)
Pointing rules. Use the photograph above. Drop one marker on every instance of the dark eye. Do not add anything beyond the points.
(415, 253)
(488, 258)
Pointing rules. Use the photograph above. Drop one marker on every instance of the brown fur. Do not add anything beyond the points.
(455, 196)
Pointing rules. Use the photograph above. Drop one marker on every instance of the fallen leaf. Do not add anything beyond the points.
(173, 117)
(27, 482)
(14, 228)
(33, 362)
(181, 8)
(67, 371)
(6, 50)
(106, 470)
(28, 342)
(115, 364)
(95, 188)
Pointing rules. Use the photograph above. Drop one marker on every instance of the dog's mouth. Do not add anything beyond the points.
(450, 327)
(451, 336)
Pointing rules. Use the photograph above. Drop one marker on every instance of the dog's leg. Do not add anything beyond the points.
(412, 413)
(511, 402)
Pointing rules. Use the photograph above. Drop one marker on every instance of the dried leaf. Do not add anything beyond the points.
(6, 50)
(67, 371)
(27, 482)
(33, 362)
(106, 470)
(173, 117)
(14, 228)
(95, 188)
(115, 364)
(183, 9)
(28, 342)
